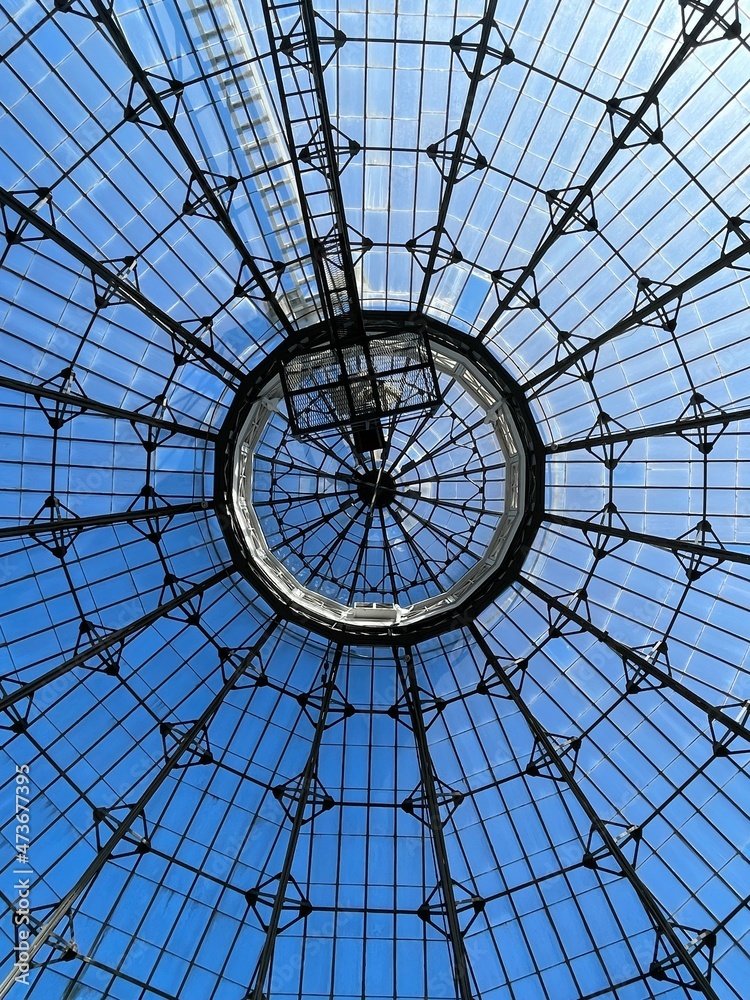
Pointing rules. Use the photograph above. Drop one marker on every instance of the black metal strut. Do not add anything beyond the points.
(663, 677)
(408, 678)
(108, 22)
(119, 635)
(651, 306)
(661, 923)
(257, 991)
(348, 386)
(461, 137)
(127, 291)
(572, 208)
(136, 811)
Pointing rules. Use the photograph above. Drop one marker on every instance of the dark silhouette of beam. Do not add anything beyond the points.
(557, 229)
(648, 900)
(112, 638)
(87, 878)
(215, 362)
(258, 991)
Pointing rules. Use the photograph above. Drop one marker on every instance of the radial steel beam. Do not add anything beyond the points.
(655, 430)
(112, 638)
(408, 678)
(40, 527)
(463, 133)
(105, 409)
(225, 370)
(664, 678)
(108, 22)
(649, 902)
(257, 990)
(688, 43)
(87, 878)
(633, 319)
(671, 544)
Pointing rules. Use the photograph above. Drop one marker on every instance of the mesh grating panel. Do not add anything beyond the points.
(382, 376)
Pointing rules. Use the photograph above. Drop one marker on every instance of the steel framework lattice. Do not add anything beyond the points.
(235, 236)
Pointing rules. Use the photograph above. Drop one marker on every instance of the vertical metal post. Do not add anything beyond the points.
(463, 132)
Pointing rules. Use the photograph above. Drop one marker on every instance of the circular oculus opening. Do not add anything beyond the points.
(413, 537)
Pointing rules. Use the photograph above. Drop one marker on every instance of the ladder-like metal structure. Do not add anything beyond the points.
(359, 379)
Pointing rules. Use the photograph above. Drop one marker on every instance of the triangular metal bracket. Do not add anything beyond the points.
(585, 366)
(668, 967)
(153, 527)
(637, 676)
(246, 287)
(106, 819)
(583, 218)
(79, 8)
(59, 412)
(430, 706)
(505, 279)
(200, 327)
(723, 25)
(447, 253)
(15, 228)
(448, 799)
(198, 203)
(514, 670)
(330, 246)
(338, 710)
(609, 453)
(313, 153)
(106, 660)
(619, 110)
(561, 623)
(663, 317)
(595, 531)
(139, 107)
(695, 564)
(442, 154)
(600, 858)
(60, 539)
(254, 673)
(296, 903)
(288, 796)
(496, 55)
(19, 722)
(149, 435)
(198, 750)
(106, 293)
(468, 902)
(703, 438)
(296, 41)
(722, 738)
(61, 941)
(543, 763)
(188, 611)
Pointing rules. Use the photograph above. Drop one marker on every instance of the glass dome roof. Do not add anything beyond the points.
(205, 797)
